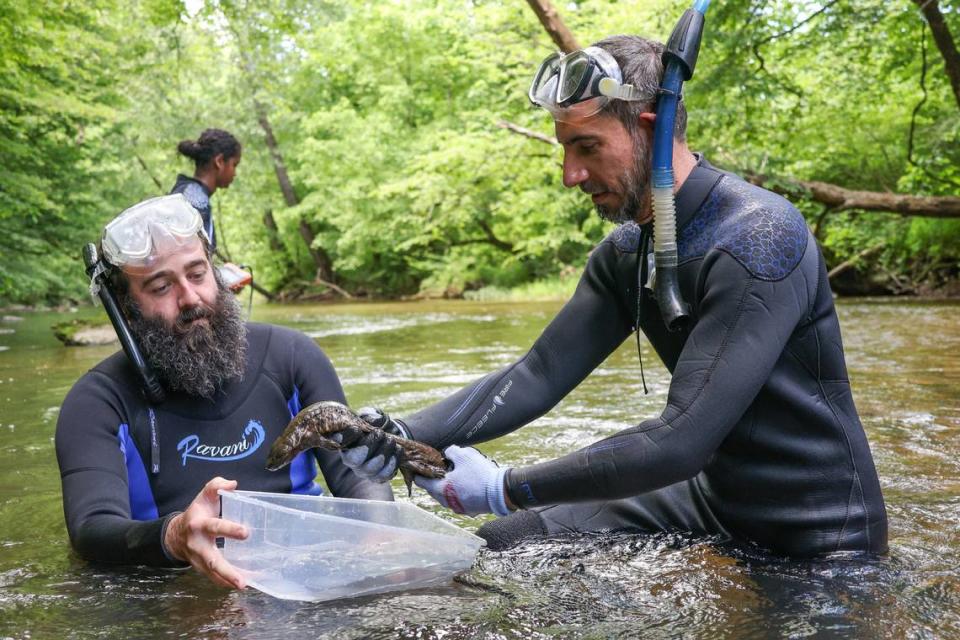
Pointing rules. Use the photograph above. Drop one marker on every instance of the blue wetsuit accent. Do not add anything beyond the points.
(760, 441)
(115, 509)
(302, 468)
(142, 504)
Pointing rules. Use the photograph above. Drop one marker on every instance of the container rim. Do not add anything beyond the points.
(252, 497)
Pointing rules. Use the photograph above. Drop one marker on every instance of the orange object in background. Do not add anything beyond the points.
(234, 277)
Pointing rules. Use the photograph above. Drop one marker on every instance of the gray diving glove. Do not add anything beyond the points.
(372, 456)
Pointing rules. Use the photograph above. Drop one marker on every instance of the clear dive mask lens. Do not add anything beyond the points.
(543, 87)
(574, 77)
(149, 230)
(579, 84)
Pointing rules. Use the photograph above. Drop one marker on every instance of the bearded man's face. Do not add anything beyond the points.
(192, 357)
(187, 324)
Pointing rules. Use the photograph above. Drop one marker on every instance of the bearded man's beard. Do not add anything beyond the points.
(194, 358)
(634, 184)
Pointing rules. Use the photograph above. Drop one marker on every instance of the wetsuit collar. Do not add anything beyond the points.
(182, 178)
(695, 190)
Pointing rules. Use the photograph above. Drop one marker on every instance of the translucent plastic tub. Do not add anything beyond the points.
(317, 548)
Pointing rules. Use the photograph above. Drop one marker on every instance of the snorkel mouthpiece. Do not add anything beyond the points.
(679, 59)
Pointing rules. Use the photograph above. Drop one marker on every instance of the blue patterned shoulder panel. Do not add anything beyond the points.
(761, 230)
(197, 197)
(626, 237)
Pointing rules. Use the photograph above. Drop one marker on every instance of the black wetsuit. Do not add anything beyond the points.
(127, 467)
(760, 440)
(198, 195)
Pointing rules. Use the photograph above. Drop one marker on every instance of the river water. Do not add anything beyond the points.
(904, 361)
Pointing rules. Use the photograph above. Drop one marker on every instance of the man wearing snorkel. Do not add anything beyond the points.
(759, 443)
(199, 395)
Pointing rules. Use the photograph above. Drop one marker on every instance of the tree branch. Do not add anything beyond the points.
(493, 239)
(515, 128)
(923, 89)
(147, 169)
(343, 292)
(843, 266)
(553, 24)
(842, 199)
(836, 197)
(759, 43)
(945, 42)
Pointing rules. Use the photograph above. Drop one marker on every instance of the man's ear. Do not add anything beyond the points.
(647, 119)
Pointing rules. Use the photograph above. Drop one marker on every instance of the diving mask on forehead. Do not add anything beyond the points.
(153, 229)
(579, 84)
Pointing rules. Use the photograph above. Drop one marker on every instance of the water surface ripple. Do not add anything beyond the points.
(904, 361)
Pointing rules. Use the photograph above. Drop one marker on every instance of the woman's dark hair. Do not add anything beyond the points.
(209, 145)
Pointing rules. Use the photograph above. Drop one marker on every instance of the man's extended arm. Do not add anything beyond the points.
(588, 328)
(744, 323)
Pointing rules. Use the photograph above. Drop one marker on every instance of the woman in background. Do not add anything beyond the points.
(216, 154)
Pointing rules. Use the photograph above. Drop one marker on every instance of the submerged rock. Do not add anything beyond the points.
(84, 333)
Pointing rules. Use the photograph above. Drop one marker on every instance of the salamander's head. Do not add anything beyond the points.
(286, 447)
(281, 454)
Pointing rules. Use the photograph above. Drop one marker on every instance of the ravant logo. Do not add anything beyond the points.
(498, 401)
(253, 437)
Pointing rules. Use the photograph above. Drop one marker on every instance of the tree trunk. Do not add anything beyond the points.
(279, 167)
(945, 42)
(321, 259)
(842, 199)
(554, 25)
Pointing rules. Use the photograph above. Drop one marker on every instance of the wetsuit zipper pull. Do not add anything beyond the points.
(641, 276)
(154, 443)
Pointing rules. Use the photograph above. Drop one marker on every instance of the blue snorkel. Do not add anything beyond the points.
(679, 59)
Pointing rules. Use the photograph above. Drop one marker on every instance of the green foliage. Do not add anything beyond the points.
(833, 100)
(385, 115)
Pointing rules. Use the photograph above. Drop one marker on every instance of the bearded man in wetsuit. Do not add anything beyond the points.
(759, 443)
(131, 468)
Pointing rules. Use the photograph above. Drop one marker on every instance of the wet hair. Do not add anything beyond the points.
(210, 144)
(640, 64)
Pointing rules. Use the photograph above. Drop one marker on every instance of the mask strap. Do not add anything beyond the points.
(613, 89)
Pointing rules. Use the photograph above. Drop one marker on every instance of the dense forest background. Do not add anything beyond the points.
(389, 148)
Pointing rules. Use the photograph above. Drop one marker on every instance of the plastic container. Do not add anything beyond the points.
(318, 548)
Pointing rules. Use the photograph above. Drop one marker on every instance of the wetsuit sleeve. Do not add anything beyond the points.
(93, 475)
(588, 328)
(744, 324)
(317, 381)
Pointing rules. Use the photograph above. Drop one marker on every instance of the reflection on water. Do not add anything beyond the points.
(904, 361)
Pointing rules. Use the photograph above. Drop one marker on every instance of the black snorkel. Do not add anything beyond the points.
(679, 59)
(96, 271)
